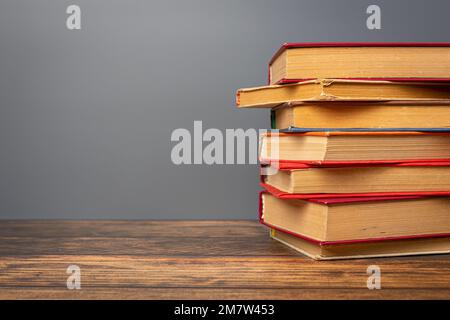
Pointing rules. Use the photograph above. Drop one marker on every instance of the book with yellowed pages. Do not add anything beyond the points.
(394, 61)
(356, 250)
(339, 220)
(370, 178)
(340, 90)
(362, 115)
(354, 146)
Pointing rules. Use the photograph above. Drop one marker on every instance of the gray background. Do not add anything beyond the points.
(86, 116)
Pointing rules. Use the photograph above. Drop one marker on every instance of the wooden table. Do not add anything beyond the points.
(192, 260)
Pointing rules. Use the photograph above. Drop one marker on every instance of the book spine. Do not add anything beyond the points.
(273, 119)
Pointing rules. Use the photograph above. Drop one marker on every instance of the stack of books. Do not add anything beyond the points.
(359, 163)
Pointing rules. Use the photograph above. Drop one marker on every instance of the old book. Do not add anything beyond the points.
(354, 146)
(363, 219)
(340, 90)
(408, 247)
(361, 179)
(295, 62)
(363, 115)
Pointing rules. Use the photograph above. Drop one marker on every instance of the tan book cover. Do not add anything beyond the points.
(340, 90)
(439, 245)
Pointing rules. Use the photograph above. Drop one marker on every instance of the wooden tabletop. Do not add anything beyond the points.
(193, 260)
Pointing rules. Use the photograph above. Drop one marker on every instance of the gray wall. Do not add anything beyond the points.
(86, 116)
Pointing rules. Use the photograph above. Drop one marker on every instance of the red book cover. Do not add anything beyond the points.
(348, 198)
(311, 196)
(297, 165)
(294, 164)
(286, 46)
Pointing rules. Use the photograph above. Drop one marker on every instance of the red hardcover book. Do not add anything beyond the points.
(285, 217)
(343, 228)
(316, 180)
(414, 61)
(338, 147)
(294, 164)
(311, 196)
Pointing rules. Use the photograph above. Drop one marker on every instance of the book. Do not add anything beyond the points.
(361, 179)
(311, 196)
(363, 115)
(364, 130)
(354, 146)
(295, 62)
(352, 219)
(407, 247)
(340, 90)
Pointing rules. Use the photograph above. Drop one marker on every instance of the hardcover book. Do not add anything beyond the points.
(364, 178)
(296, 62)
(366, 227)
(371, 115)
(354, 147)
(393, 248)
(332, 221)
(340, 90)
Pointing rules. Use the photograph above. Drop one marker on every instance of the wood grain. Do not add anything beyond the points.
(193, 260)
